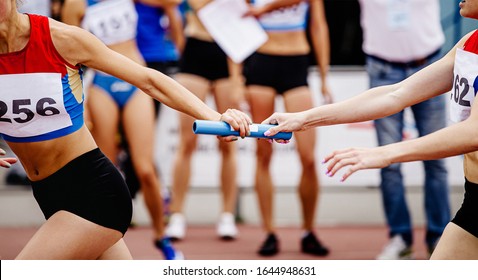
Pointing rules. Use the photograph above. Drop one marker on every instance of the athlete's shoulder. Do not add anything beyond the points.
(63, 31)
(471, 41)
(470, 36)
(72, 43)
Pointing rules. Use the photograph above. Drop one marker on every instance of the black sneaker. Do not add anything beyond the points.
(270, 246)
(311, 245)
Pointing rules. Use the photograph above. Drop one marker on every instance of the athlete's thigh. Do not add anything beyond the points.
(456, 244)
(296, 100)
(199, 86)
(261, 101)
(68, 236)
(119, 251)
(104, 115)
(227, 94)
(139, 125)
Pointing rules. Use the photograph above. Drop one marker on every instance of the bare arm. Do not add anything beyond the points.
(177, 27)
(321, 43)
(377, 102)
(81, 47)
(73, 12)
(386, 100)
(457, 139)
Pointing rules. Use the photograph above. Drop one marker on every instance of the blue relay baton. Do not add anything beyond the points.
(224, 129)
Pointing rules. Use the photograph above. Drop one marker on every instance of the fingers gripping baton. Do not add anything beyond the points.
(224, 129)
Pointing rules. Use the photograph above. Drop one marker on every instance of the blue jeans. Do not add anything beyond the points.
(429, 116)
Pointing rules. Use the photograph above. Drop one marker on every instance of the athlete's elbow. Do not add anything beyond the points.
(148, 81)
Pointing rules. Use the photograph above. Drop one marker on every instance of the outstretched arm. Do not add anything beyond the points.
(81, 47)
(453, 140)
(374, 103)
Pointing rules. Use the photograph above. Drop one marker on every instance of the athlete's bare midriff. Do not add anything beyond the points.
(286, 43)
(41, 159)
(279, 43)
(128, 49)
(196, 29)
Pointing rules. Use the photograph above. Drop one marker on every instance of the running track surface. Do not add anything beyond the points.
(201, 243)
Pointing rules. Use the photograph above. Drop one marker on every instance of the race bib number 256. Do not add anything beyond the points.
(32, 104)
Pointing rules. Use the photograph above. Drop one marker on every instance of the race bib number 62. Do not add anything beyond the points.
(465, 85)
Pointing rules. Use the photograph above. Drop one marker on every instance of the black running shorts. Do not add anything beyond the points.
(204, 59)
(467, 215)
(89, 186)
(282, 73)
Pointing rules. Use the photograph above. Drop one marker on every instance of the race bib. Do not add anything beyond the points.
(465, 85)
(112, 21)
(32, 104)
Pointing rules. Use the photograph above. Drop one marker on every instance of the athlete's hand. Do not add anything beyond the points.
(6, 162)
(285, 122)
(326, 95)
(357, 159)
(238, 121)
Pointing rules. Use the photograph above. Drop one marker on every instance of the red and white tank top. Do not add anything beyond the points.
(42, 94)
(465, 83)
(465, 87)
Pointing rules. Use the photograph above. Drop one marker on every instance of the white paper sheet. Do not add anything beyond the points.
(238, 36)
